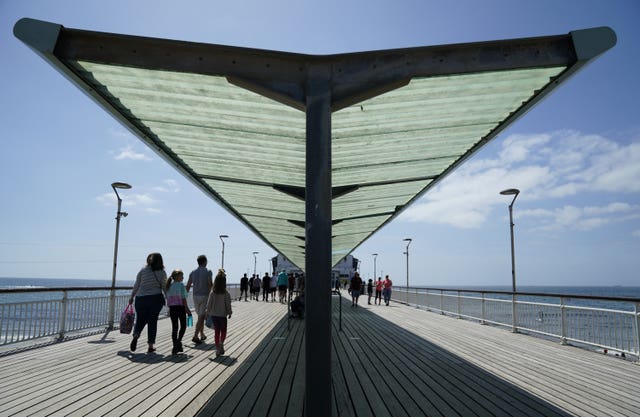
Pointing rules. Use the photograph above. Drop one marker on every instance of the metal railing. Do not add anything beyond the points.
(610, 323)
(61, 312)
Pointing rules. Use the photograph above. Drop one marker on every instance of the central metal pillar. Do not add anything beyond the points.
(318, 244)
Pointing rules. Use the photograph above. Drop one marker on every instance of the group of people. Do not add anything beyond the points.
(251, 287)
(210, 298)
(382, 288)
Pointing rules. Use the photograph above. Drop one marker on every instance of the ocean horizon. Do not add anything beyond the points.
(598, 291)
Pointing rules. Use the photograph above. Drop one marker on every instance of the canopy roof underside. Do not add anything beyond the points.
(240, 133)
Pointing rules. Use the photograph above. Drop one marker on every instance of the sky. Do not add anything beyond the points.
(575, 157)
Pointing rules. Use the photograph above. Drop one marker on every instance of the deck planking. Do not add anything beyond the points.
(387, 361)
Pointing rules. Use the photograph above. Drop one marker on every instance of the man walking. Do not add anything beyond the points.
(202, 281)
(244, 286)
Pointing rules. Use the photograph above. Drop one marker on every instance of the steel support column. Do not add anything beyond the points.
(318, 244)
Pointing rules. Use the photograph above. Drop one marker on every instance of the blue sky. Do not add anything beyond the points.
(575, 157)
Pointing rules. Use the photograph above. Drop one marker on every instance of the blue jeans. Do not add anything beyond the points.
(148, 309)
(386, 293)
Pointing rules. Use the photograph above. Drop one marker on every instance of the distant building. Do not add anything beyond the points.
(343, 271)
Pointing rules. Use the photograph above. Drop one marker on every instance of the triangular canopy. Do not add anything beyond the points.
(232, 120)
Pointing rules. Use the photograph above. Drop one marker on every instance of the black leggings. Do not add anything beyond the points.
(177, 313)
(148, 309)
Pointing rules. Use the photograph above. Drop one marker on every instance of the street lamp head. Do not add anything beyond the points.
(374, 254)
(224, 236)
(407, 240)
(255, 253)
(121, 185)
(510, 191)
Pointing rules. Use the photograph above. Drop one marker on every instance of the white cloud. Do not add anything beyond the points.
(129, 153)
(579, 218)
(141, 199)
(545, 167)
(146, 200)
(107, 199)
(171, 186)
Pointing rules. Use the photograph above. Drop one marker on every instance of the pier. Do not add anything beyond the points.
(386, 361)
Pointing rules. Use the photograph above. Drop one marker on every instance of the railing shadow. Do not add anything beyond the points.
(415, 375)
(378, 368)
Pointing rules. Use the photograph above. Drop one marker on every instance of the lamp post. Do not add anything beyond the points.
(119, 214)
(255, 260)
(514, 192)
(407, 253)
(375, 256)
(222, 237)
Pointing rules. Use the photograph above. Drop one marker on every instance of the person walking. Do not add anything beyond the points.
(283, 283)
(251, 286)
(201, 281)
(149, 299)
(273, 287)
(219, 307)
(178, 308)
(369, 290)
(356, 285)
(244, 286)
(266, 286)
(386, 289)
(378, 298)
(256, 287)
(291, 283)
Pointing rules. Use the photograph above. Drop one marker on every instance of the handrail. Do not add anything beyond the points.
(86, 310)
(60, 289)
(537, 294)
(612, 327)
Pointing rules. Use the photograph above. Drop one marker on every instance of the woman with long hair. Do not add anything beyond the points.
(219, 307)
(149, 299)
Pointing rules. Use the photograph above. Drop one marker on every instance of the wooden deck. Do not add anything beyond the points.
(387, 361)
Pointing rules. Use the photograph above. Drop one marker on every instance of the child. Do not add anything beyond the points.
(219, 307)
(178, 308)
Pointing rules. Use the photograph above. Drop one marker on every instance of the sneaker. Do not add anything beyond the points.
(203, 338)
(134, 343)
(221, 348)
(196, 340)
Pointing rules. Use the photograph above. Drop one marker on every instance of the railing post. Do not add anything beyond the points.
(458, 298)
(441, 304)
(112, 308)
(63, 315)
(637, 313)
(514, 318)
(483, 309)
(563, 315)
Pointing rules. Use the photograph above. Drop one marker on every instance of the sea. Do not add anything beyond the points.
(42, 283)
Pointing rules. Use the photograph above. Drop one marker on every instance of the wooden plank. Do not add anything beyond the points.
(387, 361)
(294, 360)
(529, 372)
(538, 366)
